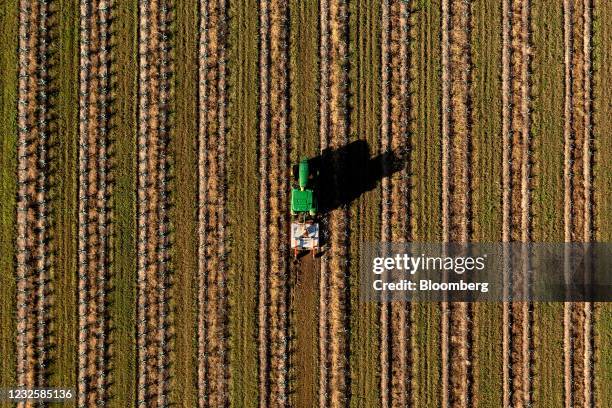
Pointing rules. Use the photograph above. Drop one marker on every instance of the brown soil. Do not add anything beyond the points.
(153, 324)
(395, 317)
(578, 335)
(456, 77)
(212, 275)
(32, 260)
(93, 207)
(516, 200)
(333, 359)
(305, 282)
(274, 342)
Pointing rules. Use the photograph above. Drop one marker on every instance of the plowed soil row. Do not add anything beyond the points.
(274, 220)
(518, 317)
(334, 268)
(94, 228)
(33, 261)
(457, 378)
(213, 372)
(578, 333)
(153, 321)
(323, 144)
(395, 318)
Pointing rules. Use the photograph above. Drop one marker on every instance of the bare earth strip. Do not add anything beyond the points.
(94, 220)
(212, 298)
(274, 295)
(153, 323)
(33, 261)
(456, 127)
(396, 316)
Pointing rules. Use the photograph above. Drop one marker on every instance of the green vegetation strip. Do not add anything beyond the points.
(487, 194)
(426, 187)
(65, 71)
(242, 200)
(365, 69)
(8, 166)
(602, 56)
(547, 134)
(123, 203)
(184, 212)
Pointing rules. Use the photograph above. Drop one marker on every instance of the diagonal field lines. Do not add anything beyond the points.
(212, 270)
(94, 217)
(153, 313)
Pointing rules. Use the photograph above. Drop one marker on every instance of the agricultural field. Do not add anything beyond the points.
(146, 153)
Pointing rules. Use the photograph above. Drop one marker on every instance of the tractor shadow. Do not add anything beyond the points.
(345, 173)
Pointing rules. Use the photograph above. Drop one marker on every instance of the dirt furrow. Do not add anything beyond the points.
(395, 316)
(578, 334)
(154, 320)
(334, 267)
(385, 308)
(587, 162)
(32, 258)
(274, 318)
(94, 225)
(518, 317)
(457, 378)
(212, 274)
(324, 143)
(446, 163)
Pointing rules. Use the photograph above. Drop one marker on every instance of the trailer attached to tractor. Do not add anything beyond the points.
(304, 228)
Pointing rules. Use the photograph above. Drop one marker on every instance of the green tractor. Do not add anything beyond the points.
(303, 198)
(304, 229)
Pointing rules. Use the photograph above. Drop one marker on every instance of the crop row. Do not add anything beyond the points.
(32, 260)
(516, 176)
(578, 160)
(153, 314)
(212, 271)
(457, 378)
(93, 244)
(274, 221)
(333, 387)
(395, 351)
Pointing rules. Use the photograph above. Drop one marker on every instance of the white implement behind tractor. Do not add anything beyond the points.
(304, 237)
